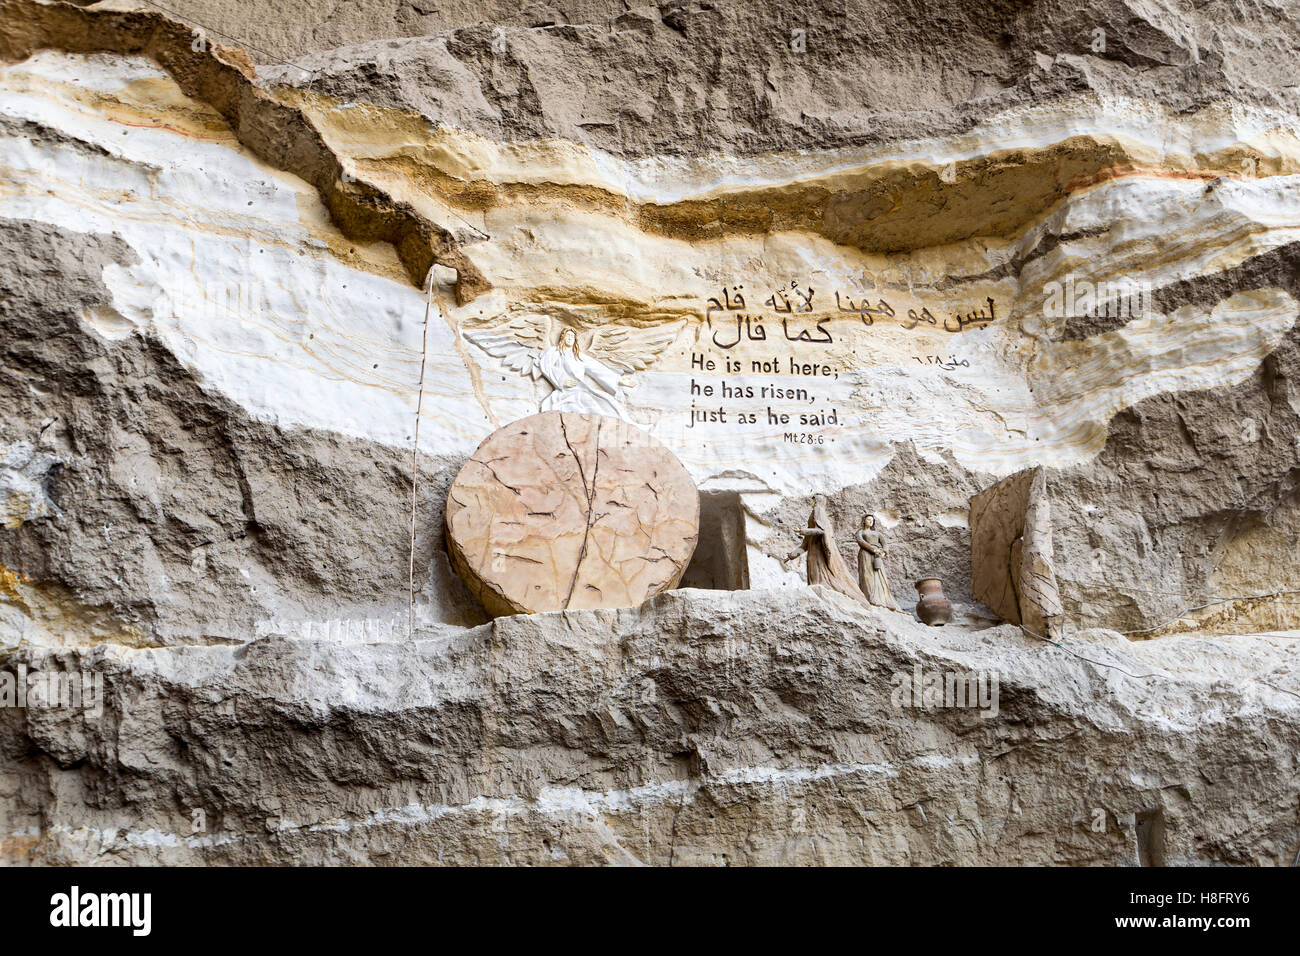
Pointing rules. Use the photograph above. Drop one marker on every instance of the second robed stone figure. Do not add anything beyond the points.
(871, 564)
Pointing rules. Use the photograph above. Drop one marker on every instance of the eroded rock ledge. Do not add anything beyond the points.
(279, 133)
(690, 736)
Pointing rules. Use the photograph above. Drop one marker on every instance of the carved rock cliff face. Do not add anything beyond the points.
(818, 253)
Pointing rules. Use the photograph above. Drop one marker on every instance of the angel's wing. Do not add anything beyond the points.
(632, 349)
(518, 342)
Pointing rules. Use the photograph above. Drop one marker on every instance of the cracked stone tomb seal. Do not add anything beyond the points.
(570, 510)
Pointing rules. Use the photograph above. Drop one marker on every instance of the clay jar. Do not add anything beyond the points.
(932, 607)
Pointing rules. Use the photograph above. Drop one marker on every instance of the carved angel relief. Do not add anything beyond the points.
(583, 378)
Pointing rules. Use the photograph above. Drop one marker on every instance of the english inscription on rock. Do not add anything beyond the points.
(776, 366)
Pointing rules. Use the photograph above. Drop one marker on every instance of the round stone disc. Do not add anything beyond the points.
(570, 510)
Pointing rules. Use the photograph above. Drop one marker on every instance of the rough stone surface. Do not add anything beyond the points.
(176, 517)
(696, 737)
(1011, 553)
(213, 345)
(222, 78)
(570, 510)
(687, 77)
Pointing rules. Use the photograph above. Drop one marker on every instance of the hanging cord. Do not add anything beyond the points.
(1199, 607)
(183, 17)
(415, 462)
(1081, 657)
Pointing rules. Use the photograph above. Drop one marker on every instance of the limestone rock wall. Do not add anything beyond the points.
(696, 738)
(818, 252)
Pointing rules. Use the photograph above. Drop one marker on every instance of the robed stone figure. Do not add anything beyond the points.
(580, 383)
(871, 564)
(825, 564)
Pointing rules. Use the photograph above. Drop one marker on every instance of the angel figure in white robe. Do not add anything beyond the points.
(580, 382)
